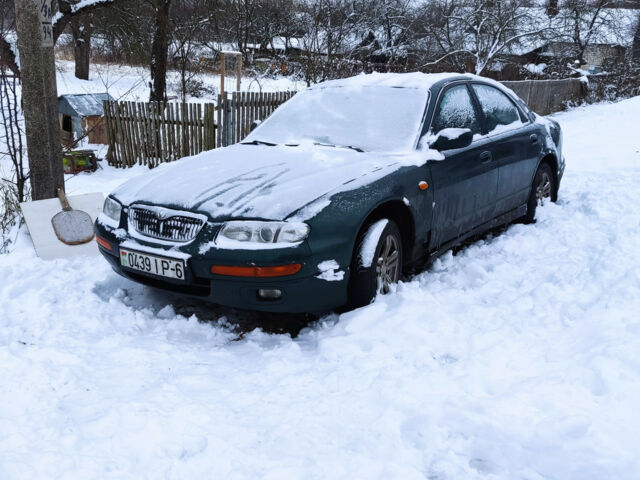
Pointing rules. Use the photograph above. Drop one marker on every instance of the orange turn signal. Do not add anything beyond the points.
(423, 185)
(103, 243)
(279, 271)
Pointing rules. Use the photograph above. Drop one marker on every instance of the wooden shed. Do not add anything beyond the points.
(82, 115)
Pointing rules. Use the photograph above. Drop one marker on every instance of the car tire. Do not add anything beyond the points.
(543, 189)
(365, 282)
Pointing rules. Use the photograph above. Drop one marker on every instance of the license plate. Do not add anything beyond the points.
(153, 264)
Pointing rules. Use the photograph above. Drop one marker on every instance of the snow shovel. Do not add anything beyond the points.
(73, 227)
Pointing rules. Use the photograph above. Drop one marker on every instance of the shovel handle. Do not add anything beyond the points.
(63, 200)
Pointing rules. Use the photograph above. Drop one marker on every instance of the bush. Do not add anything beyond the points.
(624, 82)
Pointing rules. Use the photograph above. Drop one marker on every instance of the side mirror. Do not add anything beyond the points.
(254, 125)
(452, 138)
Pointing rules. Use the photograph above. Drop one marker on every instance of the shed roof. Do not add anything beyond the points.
(83, 105)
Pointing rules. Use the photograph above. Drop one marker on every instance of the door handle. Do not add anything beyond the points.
(486, 157)
(534, 138)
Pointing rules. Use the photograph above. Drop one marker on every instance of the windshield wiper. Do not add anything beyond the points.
(351, 147)
(259, 142)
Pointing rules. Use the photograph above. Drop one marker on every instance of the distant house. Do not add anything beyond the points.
(596, 56)
(611, 38)
(81, 116)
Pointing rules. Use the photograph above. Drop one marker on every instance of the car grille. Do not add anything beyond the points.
(172, 227)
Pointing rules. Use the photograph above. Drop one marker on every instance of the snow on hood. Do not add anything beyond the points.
(255, 181)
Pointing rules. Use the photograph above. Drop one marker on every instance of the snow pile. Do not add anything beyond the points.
(537, 68)
(517, 358)
(453, 133)
(370, 242)
(330, 271)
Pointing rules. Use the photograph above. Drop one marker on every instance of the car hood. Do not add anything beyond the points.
(257, 181)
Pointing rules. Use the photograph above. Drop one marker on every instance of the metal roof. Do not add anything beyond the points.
(83, 105)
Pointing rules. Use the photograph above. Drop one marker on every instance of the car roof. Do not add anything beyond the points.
(416, 80)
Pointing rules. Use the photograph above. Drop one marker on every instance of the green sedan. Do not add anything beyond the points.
(342, 189)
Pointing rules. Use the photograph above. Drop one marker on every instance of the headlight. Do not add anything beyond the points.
(112, 209)
(268, 234)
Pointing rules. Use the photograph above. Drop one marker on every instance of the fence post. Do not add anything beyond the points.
(228, 122)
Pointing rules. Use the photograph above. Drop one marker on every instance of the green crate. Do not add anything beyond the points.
(79, 161)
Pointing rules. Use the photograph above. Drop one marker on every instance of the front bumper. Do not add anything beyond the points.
(303, 292)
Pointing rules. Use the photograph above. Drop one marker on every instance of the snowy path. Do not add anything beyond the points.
(517, 358)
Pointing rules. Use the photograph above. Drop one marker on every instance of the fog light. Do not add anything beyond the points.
(269, 293)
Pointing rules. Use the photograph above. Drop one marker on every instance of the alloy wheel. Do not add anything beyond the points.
(388, 266)
(543, 188)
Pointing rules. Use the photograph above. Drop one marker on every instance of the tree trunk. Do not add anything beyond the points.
(183, 77)
(635, 52)
(39, 100)
(81, 30)
(160, 52)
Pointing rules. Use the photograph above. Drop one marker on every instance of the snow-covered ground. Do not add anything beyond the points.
(124, 82)
(517, 358)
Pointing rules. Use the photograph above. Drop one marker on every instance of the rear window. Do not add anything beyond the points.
(498, 109)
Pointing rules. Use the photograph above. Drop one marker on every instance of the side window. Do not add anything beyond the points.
(456, 111)
(497, 107)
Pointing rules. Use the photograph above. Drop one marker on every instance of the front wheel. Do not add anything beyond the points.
(376, 263)
(542, 190)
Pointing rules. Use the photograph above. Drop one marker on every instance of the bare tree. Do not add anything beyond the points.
(7, 27)
(390, 26)
(160, 50)
(187, 45)
(586, 22)
(71, 12)
(81, 30)
(78, 16)
(14, 181)
(12, 145)
(481, 30)
(126, 32)
(635, 55)
(329, 27)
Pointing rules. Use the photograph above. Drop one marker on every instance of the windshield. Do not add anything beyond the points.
(382, 119)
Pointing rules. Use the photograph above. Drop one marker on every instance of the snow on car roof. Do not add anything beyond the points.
(417, 80)
(393, 80)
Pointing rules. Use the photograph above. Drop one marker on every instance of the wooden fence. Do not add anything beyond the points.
(154, 133)
(237, 112)
(548, 96)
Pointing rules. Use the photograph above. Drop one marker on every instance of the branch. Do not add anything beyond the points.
(8, 57)
(435, 62)
(69, 10)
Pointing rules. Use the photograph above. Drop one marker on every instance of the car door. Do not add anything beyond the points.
(465, 182)
(514, 144)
